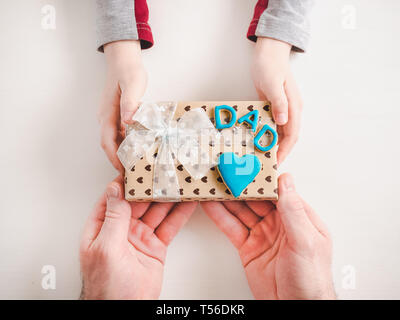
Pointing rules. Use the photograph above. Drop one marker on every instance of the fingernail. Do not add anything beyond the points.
(288, 184)
(281, 118)
(112, 192)
(127, 116)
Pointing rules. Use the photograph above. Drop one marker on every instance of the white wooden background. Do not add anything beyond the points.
(52, 168)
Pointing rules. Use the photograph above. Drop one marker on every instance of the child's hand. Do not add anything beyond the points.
(125, 86)
(285, 249)
(274, 82)
(124, 245)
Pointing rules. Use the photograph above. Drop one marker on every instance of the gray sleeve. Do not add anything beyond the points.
(115, 20)
(286, 20)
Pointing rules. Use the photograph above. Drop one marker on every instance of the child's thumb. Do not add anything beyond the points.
(129, 104)
(279, 104)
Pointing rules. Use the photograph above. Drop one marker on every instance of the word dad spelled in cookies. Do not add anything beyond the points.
(237, 173)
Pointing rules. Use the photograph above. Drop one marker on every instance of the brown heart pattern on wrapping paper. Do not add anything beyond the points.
(210, 187)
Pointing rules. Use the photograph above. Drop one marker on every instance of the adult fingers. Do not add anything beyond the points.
(139, 208)
(174, 221)
(242, 212)
(156, 213)
(94, 222)
(316, 220)
(117, 215)
(235, 230)
(261, 208)
(294, 218)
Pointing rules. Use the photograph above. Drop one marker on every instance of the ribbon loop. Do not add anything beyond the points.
(178, 141)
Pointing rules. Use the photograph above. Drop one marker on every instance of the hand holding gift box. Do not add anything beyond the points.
(172, 150)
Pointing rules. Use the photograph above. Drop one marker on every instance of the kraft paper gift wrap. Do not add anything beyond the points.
(142, 183)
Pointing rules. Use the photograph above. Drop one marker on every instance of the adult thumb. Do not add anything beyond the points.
(294, 218)
(117, 216)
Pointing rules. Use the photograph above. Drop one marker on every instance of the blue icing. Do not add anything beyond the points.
(252, 123)
(217, 115)
(238, 172)
(257, 138)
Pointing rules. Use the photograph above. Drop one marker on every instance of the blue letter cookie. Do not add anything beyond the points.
(217, 115)
(257, 138)
(252, 123)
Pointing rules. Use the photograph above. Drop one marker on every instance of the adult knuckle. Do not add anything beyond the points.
(309, 246)
(102, 256)
(296, 205)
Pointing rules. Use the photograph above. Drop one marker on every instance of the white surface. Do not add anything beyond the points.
(52, 168)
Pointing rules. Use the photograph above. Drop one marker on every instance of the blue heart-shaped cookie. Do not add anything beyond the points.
(238, 172)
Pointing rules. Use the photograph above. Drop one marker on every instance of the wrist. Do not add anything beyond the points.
(122, 52)
(266, 45)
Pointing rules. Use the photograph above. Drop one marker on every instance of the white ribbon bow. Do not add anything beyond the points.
(181, 140)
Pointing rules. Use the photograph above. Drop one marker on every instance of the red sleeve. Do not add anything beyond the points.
(142, 25)
(259, 9)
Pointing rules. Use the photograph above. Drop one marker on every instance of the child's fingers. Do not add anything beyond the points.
(131, 94)
(290, 136)
(292, 128)
(108, 143)
(279, 104)
(128, 109)
(261, 95)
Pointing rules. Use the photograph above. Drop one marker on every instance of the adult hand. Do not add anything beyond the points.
(274, 82)
(285, 249)
(124, 245)
(125, 85)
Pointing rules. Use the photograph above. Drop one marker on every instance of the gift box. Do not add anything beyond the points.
(200, 151)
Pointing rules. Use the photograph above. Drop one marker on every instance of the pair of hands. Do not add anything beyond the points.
(284, 247)
(127, 80)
